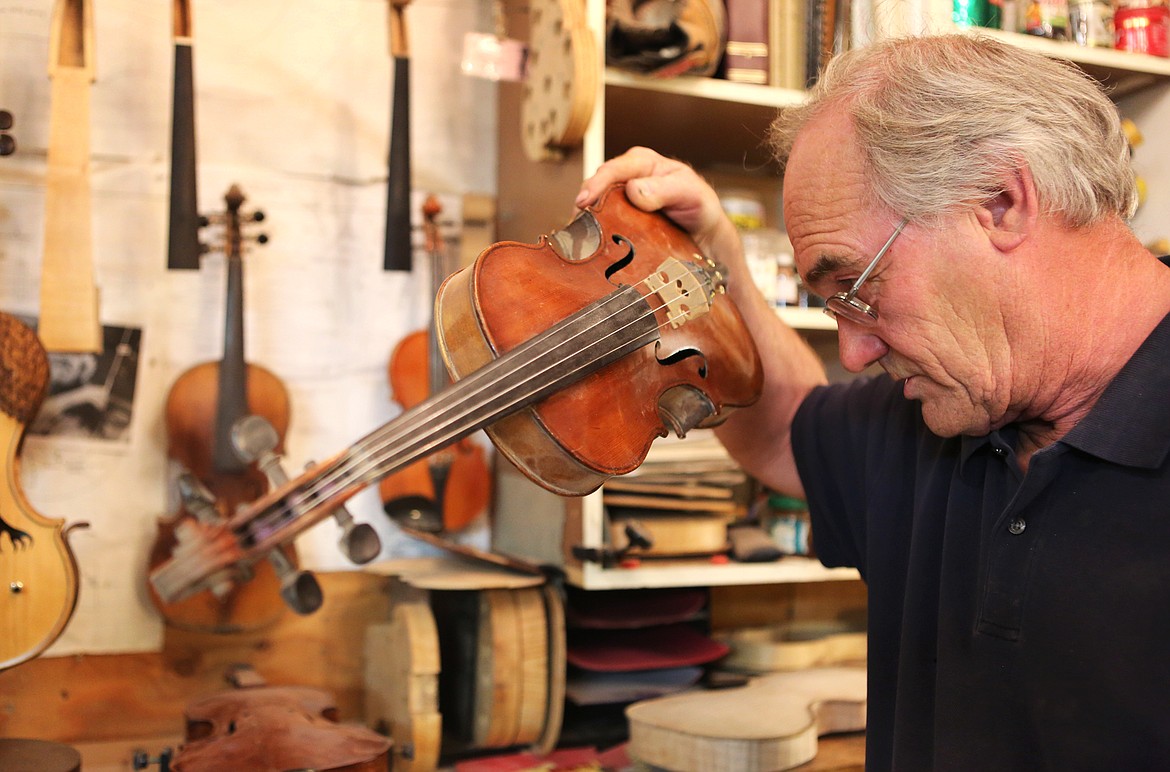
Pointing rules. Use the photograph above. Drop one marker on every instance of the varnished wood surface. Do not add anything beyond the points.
(108, 697)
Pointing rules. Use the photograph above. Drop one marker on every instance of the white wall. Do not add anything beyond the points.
(292, 104)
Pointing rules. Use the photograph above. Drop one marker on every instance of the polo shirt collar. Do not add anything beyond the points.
(1128, 424)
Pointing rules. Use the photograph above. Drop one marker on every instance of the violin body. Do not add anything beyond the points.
(603, 425)
(37, 567)
(465, 481)
(276, 729)
(203, 406)
(190, 417)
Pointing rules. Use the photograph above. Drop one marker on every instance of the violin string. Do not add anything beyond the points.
(351, 469)
(392, 432)
(395, 430)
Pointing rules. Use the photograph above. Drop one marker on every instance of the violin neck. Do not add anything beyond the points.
(69, 297)
(599, 334)
(183, 249)
(585, 342)
(232, 404)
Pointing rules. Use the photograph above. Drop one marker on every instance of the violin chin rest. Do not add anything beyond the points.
(684, 407)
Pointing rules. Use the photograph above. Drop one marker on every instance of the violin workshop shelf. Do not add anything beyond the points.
(531, 524)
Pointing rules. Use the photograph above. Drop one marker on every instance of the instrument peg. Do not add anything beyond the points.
(188, 537)
(255, 439)
(359, 541)
(257, 216)
(299, 588)
(260, 238)
(197, 499)
(7, 141)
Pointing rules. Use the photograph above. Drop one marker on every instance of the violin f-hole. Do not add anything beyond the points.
(680, 355)
(621, 262)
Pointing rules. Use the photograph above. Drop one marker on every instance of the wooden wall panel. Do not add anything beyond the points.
(95, 698)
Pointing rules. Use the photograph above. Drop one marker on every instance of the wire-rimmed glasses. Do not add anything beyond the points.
(847, 304)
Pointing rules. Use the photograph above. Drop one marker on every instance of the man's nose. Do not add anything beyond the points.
(858, 346)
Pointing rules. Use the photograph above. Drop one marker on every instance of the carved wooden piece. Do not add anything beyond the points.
(771, 724)
(69, 301)
(38, 574)
(561, 82)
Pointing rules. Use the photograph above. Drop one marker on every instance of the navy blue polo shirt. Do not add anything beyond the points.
(1016, 621)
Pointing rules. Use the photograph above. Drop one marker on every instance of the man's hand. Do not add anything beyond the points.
(654, 182)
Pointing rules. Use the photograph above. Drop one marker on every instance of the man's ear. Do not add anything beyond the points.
(1009, 217)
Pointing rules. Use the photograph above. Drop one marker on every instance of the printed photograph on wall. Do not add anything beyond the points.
(92, 395)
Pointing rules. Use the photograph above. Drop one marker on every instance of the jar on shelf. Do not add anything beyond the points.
(1047, 19)
(762, 249)
(744, 207)
(1090, 23)
(1142, 26)
(788, 525)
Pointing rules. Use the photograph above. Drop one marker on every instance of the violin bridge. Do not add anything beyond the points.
(681, 290)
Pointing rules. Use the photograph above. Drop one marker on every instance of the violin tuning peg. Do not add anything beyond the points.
(197, 499)
(359, 541)
(255, 439)
(258, 216)
(261, 238)
(299, 588)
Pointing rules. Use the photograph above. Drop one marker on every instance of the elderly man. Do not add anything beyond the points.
(1004, 486)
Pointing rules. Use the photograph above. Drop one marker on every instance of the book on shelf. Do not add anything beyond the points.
(786, 23)
(748, 52)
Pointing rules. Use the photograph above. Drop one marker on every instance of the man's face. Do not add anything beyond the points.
(940, 326)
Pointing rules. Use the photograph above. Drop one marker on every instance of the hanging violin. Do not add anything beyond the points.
(574, 354)
(202, 406)
(450, 488)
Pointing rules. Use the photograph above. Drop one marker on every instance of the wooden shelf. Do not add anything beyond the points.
(704, 573)
(1122, 72)
(706, 88)
(806, 318)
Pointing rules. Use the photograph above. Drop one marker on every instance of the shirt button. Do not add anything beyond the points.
(1001, 452)
(1017, 526)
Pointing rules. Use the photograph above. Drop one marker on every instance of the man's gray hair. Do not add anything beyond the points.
(941, 119)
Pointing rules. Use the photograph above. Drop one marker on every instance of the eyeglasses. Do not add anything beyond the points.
(847, 304)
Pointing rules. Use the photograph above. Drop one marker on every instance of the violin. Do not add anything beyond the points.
(451, 487)
(202, 406)
(574, 354)
(37, 566)
(276, 729)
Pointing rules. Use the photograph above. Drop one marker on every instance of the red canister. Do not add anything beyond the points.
(1142, 29)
